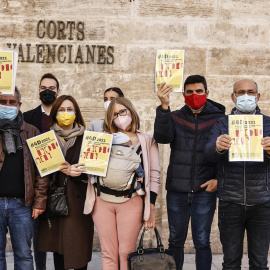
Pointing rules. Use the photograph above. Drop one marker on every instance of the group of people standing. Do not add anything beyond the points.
(199, 140)
(199, 165)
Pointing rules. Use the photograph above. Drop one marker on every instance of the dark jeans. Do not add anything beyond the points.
(40, 257)
(16, 217)
(200, 207)
(58, 260)
(233, 220)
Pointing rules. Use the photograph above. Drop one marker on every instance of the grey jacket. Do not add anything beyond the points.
(96, 125)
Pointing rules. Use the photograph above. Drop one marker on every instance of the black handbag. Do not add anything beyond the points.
(56, 203)
(151, 258)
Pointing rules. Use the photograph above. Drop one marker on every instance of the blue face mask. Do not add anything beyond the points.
(246, 103)
(8, 112)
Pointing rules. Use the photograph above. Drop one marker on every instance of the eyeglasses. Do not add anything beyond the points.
(121, 113)
(52, 88)
(243, 92)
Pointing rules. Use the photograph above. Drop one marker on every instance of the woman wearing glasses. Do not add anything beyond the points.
(70, 237)
(118, 219)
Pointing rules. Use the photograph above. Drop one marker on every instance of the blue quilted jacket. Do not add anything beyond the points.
(187, 135)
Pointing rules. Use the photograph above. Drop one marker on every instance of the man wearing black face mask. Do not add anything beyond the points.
(191, 182)
(40, 118)
(48, 92)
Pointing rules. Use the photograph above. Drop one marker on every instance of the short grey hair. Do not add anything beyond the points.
(18, 94)
(241, 80)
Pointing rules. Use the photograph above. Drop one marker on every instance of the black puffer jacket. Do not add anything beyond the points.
(245, 183)
(187, 135)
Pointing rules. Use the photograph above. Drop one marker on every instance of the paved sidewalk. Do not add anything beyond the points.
(95, 264)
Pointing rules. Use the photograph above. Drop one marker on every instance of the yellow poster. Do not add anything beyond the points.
(95, 152)
(170, 68)
(6, 73)
(246, 132)
(46, 152)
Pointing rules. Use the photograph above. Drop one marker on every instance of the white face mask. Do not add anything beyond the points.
(246, 103)
(106, 104)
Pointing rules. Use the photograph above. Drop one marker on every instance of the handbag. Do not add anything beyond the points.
(151, 258)
(56, 203)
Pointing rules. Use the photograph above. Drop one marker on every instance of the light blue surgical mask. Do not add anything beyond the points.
(8, 112)
(246, 103)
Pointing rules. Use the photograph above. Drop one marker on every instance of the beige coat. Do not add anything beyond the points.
(152, 174)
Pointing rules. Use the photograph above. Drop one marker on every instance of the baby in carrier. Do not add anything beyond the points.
(124, 172)
(122, 139)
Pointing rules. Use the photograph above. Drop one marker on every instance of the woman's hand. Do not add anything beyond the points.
(151, 222)
(64, 168)
(74, 170)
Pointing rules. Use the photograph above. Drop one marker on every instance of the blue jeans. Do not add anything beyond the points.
(18, 218)
(233, 220)
(200, 207)
(40, 257)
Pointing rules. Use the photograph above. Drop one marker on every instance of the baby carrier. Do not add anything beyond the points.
(119, 183)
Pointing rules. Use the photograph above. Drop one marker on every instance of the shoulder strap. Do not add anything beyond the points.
(131, 190)
(139, 150)
(98, 186)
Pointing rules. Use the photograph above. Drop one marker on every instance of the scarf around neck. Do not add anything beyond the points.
(10, 129)
(67, 138)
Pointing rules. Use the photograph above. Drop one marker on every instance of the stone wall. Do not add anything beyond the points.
(223, 40)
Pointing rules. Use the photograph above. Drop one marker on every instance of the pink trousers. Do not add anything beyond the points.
(118, 226)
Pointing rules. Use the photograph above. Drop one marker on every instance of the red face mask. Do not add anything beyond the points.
(195, 101)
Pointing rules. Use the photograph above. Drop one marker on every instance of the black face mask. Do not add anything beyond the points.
(47, 96)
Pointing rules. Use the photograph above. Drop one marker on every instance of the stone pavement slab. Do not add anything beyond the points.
(95, 264)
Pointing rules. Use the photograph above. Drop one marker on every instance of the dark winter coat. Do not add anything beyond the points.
(187, 134)
(244, 183)
(35, 186)
(71, 235)
(33, 117)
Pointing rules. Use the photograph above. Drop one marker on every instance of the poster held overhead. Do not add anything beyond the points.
(170, 68)
(8, 69)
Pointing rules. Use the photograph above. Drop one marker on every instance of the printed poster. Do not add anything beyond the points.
(95, 152)
(170, 68)
(46, 152)
(8, 67)
(246, 132)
